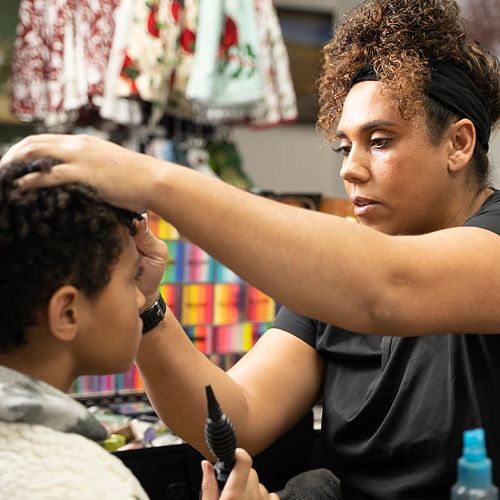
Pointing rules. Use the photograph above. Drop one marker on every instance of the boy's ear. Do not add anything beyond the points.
(463, 141)
(62, 313)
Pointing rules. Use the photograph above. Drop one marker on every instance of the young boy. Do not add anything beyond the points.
(69, 303)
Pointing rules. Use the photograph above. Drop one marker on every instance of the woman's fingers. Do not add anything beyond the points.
(148, 244)
(209, 487)
(36, 146)
(58, 174)
(154, 253)
(122, 177)
(242, 484)
(238, 479)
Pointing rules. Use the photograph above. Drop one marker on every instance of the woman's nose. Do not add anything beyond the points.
(355, 168)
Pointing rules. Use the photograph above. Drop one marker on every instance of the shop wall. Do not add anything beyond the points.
(291, 158)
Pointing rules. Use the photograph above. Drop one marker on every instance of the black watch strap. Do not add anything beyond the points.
(153, 315)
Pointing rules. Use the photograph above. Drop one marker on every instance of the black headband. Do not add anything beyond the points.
(454, 89)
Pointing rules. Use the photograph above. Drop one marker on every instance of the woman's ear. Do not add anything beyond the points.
(62, 313)
(463, 141)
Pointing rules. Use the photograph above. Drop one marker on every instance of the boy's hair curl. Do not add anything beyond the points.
(399, 38)
(50, 237)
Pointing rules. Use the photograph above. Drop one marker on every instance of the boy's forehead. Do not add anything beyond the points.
(130, 252)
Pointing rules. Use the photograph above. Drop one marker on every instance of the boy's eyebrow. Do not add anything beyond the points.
(366, 127)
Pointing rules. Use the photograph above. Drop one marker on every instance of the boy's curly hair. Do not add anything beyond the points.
(50, 237)
(399, 38)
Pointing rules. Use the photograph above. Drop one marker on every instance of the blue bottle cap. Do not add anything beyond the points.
(474, 467)
(474, 445)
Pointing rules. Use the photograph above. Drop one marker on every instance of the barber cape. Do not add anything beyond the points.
(48, 447)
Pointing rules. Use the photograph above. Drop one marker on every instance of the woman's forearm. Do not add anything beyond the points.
(175, 374)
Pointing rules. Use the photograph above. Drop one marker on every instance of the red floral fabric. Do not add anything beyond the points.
(46, 31)
(150, 53)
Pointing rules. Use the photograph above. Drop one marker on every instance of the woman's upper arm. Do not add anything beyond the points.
(281, 377)
(445, 282)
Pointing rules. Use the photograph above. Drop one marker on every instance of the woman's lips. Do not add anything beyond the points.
(362, 206)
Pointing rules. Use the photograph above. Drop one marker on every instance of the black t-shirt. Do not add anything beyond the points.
(395, 408)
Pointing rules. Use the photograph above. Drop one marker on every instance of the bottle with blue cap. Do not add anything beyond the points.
(474, 470)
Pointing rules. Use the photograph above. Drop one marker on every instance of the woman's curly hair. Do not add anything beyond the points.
(48, 238)
(399, 37)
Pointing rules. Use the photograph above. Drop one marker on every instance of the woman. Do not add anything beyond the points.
(405, 350)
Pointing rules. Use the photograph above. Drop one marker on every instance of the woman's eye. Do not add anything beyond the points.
(344, 149)
(379, 142)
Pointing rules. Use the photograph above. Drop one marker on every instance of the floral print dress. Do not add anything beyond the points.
(61, 55)
(226, 74)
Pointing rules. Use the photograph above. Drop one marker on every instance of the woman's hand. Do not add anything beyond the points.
(123, 177)
(242, 484)
(153, 253)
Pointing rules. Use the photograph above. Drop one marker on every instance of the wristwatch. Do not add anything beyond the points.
(153, 315)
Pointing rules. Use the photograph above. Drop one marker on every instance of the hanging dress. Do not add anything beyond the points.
(61, 56)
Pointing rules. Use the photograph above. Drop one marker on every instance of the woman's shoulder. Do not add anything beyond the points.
(488, 215)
